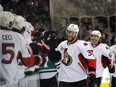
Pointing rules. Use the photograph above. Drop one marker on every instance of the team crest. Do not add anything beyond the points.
(67, 60)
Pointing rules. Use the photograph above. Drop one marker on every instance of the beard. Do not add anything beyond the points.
(71, 39)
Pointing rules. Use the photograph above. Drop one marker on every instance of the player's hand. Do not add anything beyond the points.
(91, 80)
(111, 68)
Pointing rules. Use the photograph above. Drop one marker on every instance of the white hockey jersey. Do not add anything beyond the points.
(99, 52)
(73, 63)
(11, 45)
(113, 53)
(27, 37)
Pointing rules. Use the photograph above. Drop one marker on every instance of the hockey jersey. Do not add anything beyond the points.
(100, 52)
(113, 52)
(76, 58)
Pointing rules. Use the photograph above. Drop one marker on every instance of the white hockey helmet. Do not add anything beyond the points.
(7, 19)
(73, 27)
(96, 32)
(19, 22)
(29, 27)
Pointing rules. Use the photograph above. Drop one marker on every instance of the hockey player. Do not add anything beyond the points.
(113, 53)
(29, 30)
(77, 61)
(48, 72)
(12, 46)
(101, 52)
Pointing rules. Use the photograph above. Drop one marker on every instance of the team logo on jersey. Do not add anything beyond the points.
(107, 47)
(85, 44)
(67, 60)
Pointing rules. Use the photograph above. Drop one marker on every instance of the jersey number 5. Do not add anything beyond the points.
(7, 48)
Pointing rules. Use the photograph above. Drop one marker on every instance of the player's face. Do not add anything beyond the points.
(71, 36)
(94, 39)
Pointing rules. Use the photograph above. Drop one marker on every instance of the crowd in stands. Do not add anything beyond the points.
(38, 13)
(35, 11)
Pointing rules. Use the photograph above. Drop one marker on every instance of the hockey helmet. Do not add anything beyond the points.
(19, 22)
(96, 32)
(73, 27)
(7, 19)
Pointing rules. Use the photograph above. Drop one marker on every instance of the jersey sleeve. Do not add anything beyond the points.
(24, 50)
(27, 58)
(113, 52)
(106, 51)
(86, 50)
(106, 54)
(60, 46)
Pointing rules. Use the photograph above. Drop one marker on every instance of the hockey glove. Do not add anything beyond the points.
(39, 60)
(91, 80)
(111, 68)
(35, 47)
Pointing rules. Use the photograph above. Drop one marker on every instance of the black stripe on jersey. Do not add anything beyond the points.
(48, 71)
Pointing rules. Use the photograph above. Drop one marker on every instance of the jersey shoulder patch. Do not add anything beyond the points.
(85, 43)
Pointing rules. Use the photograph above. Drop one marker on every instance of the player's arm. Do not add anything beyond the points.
(91, 64)
(91, 69)
(87, 52)
(106, 58)
(39, 47)
(28, 58)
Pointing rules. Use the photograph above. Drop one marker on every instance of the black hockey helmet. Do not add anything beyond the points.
(49, 37)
